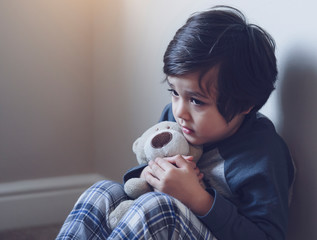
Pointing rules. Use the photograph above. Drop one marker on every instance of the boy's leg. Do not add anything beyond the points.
(159, 216)
(89, 217)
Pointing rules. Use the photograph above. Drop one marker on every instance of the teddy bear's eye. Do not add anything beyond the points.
(168, 127)
(156, 129)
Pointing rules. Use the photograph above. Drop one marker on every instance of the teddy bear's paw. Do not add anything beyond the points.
(113, 222)
(118, 213)
(135, 187)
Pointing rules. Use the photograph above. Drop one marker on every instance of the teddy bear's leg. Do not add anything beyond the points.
(119, 212)
(135, 187)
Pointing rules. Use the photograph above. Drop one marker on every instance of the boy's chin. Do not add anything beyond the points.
(192, 140)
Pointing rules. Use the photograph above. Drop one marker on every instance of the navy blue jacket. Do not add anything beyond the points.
(250, 175)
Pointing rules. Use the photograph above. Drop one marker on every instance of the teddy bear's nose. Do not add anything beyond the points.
(161, 139)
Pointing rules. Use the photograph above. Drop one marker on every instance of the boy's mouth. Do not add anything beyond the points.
(187, 130)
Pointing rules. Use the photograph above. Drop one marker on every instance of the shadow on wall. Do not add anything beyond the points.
(299, 129)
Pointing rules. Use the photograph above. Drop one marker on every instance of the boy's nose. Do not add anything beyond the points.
(182, 112)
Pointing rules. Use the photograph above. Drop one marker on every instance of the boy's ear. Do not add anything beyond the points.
(248, 110)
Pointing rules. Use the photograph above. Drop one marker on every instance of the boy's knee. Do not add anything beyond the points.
(156, 200)
(104, 187)
(155, 196)
(106, 184)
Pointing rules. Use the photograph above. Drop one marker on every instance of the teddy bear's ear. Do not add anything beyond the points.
(139, 151)
(135, 145)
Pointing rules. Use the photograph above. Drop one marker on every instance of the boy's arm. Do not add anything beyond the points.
(261, 183)
(226, 223)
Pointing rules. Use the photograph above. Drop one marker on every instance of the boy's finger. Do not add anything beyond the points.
(188, 158)
(157, 170)
(152, 180)
(181, 161)
(165, 164)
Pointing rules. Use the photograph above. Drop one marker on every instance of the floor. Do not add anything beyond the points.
(36, 233)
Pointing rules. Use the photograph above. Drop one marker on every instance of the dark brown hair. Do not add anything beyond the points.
(244, 52)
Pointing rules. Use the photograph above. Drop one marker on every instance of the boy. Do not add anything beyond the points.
(220, 71)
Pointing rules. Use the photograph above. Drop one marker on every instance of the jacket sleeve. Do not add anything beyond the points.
(260, 180)
(226, 223)
(167, 114)
(134, 172)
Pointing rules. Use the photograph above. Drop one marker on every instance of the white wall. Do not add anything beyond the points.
(45, 89)
(80, 80)
(128, 93)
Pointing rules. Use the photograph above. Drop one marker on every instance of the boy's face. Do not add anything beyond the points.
(195, 109)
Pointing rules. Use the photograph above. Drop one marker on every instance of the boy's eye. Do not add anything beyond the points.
(173, 92)
(197, 102)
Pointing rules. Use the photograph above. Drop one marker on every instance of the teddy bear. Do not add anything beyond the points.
(164, 139)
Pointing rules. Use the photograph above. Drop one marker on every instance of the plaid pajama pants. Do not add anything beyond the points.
(153, 216)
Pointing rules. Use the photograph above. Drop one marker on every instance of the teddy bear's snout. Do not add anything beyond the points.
(162, 139)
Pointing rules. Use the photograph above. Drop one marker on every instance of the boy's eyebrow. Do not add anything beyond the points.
(190, 93)
(196, 94)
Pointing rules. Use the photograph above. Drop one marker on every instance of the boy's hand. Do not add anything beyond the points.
(145, 171)
(200, 175)
(179, 177)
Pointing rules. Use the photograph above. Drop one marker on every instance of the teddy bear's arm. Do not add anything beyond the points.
(135, 187)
